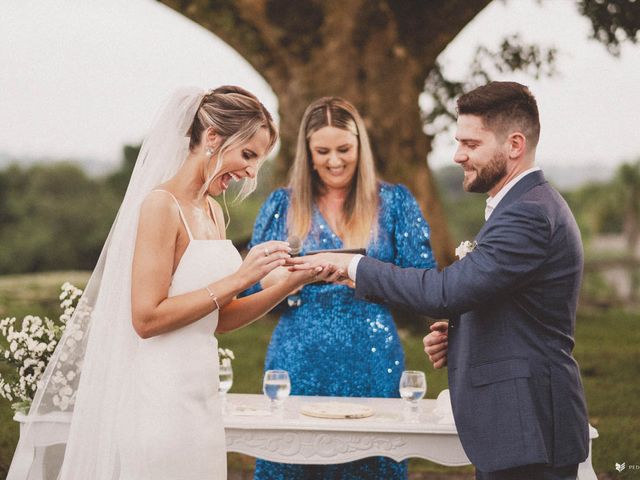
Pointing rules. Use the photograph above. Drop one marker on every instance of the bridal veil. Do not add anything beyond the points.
(87, 369)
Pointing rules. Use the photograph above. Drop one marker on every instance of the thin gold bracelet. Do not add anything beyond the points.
(213, 297)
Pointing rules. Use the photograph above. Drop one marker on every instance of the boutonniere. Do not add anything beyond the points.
(465, 247)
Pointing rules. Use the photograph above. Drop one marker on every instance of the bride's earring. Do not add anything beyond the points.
(209, 152)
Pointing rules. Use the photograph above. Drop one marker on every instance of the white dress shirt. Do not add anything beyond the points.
(492, 203)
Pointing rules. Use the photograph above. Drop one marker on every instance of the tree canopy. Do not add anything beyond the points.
(380, 55)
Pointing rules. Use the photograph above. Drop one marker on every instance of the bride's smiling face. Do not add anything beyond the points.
(239, 162)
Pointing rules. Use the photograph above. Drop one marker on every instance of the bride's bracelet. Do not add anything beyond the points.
(213, 297)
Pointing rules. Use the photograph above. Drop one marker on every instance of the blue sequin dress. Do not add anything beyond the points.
(334, 345)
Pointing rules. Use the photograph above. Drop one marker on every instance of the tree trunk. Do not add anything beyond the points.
(374, 53)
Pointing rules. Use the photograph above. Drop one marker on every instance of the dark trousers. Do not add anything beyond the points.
(531, 472)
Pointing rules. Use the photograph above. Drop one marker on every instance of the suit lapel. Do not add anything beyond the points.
(525, 184)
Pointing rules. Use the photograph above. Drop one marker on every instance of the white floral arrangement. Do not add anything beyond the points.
(465, 247)
(225, 355)
(31, 344)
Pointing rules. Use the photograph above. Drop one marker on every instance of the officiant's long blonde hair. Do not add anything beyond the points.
(360, 210)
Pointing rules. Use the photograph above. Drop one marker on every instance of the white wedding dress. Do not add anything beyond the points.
(141, 409)
(171, 419)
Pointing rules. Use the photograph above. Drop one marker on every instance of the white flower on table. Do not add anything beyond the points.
(225, 355)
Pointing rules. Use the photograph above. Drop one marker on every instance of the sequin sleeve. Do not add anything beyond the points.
(411, 233)
(270, 224)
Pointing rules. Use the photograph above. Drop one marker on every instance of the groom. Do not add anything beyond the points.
(516, 392)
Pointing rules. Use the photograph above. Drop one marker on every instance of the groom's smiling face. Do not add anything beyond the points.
(480, 154)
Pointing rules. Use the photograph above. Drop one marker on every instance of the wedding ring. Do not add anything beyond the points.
(266, 252)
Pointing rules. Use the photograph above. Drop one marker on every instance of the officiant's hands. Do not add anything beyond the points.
(436, 344)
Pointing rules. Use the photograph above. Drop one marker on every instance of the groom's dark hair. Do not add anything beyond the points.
(504, 107)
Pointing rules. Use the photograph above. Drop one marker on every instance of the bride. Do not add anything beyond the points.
(141, 339)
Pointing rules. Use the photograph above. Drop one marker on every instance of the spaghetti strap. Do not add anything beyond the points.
(215, 219)
(184, 219)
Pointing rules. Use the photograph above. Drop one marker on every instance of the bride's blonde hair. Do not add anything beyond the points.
(236, 115)
(360, 210)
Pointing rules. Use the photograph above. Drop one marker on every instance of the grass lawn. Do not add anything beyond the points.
(607, 350)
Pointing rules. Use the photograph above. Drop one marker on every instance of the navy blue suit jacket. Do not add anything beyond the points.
(515, 387)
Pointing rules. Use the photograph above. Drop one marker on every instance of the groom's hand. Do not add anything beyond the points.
(338, 263)
(436, 344)
(301, 274)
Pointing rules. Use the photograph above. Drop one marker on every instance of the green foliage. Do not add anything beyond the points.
(513, 55)
(119, 179)
(606, 348)
(596, 209)
(20, 295)
(628, 180)
(465, 211)
(54, 217)
(611, 207)
(612, 21)
(597, 291)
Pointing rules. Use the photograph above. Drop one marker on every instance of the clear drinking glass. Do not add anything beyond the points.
(413, 387)
(226, 379)
(276, 387)
(225, 374)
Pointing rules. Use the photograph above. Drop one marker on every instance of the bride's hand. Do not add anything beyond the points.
(261, 260)
(277, 275)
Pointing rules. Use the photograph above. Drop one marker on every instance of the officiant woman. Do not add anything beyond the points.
(330, 343)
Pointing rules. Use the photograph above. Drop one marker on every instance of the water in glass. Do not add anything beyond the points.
(413, 387)
(226, 379)
(276, 386)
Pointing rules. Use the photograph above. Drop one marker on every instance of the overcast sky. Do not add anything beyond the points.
(80, 78)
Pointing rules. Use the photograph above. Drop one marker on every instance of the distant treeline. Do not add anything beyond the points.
(56, 217)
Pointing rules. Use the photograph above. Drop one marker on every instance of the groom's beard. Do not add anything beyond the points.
(488, 176)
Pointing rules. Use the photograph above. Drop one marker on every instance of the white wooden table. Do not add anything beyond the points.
(291, 437)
